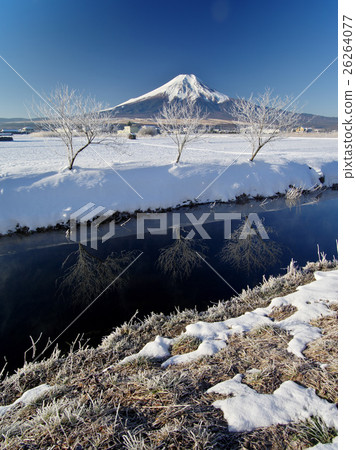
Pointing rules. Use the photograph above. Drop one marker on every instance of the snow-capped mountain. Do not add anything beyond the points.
(182, 87)
(179, 88)
(211, 101)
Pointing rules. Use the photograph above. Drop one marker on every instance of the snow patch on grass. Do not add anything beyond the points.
(248, 410)
(312, 301)
(158, 349)
(27, 397)
(206, 348)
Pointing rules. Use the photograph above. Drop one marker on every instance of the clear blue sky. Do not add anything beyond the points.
(118, 49)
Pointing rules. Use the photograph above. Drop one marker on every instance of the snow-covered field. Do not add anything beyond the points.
(36, 190)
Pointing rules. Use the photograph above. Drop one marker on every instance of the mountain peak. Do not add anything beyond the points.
(185, 86)
(181, 87)
(185, 77)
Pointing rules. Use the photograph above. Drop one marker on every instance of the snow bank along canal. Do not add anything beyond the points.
(47, 280)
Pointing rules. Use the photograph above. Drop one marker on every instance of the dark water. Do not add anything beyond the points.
(46, 281)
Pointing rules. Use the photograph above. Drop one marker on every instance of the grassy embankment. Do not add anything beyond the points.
(139, 405)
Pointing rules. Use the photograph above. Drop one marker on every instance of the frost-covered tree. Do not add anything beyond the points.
(263, 118)
(182, 121)
(86, 275)
(179, 259)
(68, 114)
(246, 250)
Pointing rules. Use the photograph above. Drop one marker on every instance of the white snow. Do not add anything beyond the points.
(36, 190)
(248, 410)
(158, 349)
(27, 397)
(332, 446)
(181, 87)
(206, 348)
(311, 301)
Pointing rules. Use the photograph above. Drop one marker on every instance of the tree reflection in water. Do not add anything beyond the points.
(86, 275)
(180, 259)
(252, 252)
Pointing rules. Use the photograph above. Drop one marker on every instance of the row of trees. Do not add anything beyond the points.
(67, 114)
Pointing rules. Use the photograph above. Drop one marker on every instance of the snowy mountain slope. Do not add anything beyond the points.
(185, 86)
(179, 88)
(182, 87)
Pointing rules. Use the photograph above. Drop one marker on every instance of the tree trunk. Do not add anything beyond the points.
(179, 155)
(255, 152)
(71, 160)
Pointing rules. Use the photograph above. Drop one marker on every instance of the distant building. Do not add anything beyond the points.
(303, 130)
(129, 129)
(149, 130)
(27, 130)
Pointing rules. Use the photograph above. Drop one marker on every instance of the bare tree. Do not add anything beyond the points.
(263, 118)
(179, 259)
(86, 275)
(182, 121)
(250, 253)
(68, 114)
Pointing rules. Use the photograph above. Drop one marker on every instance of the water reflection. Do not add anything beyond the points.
(179, 259)
(248, 251)
(294, 196)
(86, 275)
(37, 269)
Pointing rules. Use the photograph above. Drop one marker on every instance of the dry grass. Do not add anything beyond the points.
(314, 431)
(185, 344)
(292, 437)
(282, 312)
(324, 349)
(141, 406)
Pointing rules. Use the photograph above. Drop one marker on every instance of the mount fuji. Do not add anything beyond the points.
(214, 103)
(179, 88)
